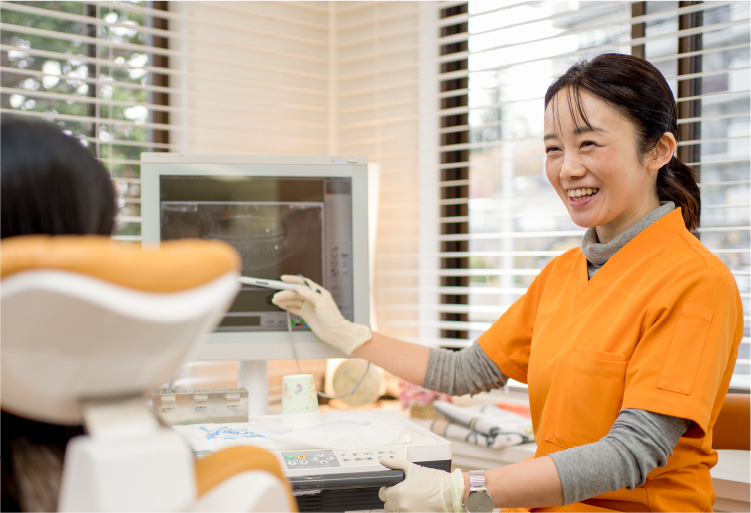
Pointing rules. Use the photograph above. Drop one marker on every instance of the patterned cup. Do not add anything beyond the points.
(299, 401)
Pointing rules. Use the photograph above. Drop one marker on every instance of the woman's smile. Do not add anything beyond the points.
(582, 196)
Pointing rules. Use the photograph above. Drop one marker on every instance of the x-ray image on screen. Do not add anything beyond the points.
(272, 238)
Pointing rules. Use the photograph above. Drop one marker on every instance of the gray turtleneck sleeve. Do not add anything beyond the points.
(468, 371)
(638, 442)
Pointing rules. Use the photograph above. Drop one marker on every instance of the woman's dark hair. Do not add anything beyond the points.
(51, 183)
(640, 93)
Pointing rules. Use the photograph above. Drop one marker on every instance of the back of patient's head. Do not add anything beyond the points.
(51, 184)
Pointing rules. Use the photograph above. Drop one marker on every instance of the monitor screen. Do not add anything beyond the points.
(284, 215)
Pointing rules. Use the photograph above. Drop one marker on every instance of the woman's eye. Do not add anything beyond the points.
(588, 143)
(551, 148)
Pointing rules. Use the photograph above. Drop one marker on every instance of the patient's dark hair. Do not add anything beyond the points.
(636, 89)
(32, 462)
(51, 183)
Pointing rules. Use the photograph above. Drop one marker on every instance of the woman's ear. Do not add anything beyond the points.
(662, 152)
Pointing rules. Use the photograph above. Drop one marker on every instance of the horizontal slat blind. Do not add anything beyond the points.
(377, 77)
(454, 178)
(515, 224)
(98, 69)
(253, 77)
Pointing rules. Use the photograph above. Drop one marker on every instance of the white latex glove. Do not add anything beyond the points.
(317, 308)
(423, 489)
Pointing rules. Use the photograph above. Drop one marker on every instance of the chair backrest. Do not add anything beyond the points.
(733, 427)
(90, 328)
(87, 317)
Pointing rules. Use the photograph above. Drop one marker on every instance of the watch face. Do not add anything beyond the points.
(478, 502)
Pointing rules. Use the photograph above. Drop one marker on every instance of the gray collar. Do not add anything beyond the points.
(597, 254)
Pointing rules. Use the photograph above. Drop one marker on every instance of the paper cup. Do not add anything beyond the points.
(299, 401)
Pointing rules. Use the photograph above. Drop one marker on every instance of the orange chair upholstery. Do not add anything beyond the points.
(732, 430)
(174, 266)
(214, 469)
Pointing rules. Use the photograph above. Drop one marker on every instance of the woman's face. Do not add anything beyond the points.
(596, 169)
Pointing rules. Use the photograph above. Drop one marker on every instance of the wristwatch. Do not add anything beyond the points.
(478, 500)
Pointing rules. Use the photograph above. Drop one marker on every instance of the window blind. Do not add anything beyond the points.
(253, 77)
(501, 220)
(97, 68)
(377, 72)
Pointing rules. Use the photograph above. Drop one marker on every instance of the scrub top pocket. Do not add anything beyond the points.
(586, 397)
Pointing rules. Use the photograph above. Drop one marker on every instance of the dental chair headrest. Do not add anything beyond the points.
(85, 317)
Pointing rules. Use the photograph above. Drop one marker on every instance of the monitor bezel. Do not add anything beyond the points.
(266, 345)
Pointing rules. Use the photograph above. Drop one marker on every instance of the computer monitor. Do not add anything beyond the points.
(285, 215)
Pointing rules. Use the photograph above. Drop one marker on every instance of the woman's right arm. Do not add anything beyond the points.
(405, 360)
(453, 372)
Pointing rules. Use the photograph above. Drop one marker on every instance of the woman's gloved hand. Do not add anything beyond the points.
(317, 308)
(423, 489)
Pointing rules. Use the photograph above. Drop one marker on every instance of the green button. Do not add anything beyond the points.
(290, 457)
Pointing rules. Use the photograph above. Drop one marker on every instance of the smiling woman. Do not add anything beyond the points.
(627, 344)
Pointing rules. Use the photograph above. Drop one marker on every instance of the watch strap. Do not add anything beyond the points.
(477, 480)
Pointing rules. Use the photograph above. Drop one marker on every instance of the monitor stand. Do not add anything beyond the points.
(253, 375)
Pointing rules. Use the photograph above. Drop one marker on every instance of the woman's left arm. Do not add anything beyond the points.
(533, 483)
(529, 483)
(638, 442)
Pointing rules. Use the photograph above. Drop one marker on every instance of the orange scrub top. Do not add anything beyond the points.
(657, 328)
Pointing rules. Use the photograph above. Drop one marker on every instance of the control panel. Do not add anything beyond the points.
(341, 458)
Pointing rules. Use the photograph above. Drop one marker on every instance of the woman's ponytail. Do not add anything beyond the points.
(676, 182)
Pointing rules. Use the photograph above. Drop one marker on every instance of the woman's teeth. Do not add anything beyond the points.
(578, 193)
